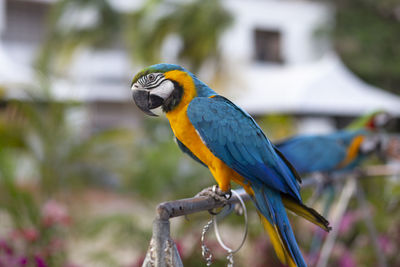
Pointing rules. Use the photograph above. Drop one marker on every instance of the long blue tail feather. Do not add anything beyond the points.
(269, 204)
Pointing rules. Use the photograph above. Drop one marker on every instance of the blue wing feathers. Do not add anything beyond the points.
(318, 152)
(235, 138)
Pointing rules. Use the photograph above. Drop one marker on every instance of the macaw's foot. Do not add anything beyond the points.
(216, 193)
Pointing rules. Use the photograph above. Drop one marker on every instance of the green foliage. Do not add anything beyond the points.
(31, 238)
(123, 228)
(103, 259)
(159, 170)
(65, 34)
(277, 126)
(11, 134)
(65, 160)
(58, 148)
(198, 24)
(18, 203)
(367, 36)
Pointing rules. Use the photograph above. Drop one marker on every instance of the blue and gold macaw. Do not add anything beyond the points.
(224, 138)
(336, 152)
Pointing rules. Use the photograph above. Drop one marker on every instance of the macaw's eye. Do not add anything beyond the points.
(151, 77)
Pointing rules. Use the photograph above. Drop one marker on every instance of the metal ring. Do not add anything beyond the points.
(228, 249)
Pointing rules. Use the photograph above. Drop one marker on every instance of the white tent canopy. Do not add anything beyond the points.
(11, 72)
(325, 86)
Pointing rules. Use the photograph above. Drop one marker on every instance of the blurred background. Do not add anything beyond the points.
(82, 169)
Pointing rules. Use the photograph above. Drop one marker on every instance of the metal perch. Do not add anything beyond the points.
(162, 251)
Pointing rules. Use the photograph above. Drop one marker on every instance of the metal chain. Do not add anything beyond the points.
(230, 259)
(205, 251)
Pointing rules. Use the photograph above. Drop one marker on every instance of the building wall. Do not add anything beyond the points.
(297, 21)
(102, 77)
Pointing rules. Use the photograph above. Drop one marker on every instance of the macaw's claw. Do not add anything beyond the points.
(216, 193)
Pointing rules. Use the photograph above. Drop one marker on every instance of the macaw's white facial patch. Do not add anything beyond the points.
(164, 90)
(151, 80)
(381, 119)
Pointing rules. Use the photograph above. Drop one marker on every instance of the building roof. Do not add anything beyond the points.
(325, 86)
(304, 84)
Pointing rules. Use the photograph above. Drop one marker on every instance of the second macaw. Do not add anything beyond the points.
(335, 152)
(224, 138)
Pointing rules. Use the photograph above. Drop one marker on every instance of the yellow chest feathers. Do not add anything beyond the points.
(187, 134)
(179, 121)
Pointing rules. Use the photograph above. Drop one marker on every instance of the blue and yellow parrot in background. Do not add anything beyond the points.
(227, 140)
(336, 152)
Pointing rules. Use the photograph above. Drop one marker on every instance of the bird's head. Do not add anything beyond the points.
(373, 121)
(378, 120)
(166, 86)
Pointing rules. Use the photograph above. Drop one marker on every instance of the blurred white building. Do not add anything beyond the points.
(283, 61)
(277, 55)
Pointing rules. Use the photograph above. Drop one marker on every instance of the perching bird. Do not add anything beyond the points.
(223, 137)
(333, 154)
(338, 151)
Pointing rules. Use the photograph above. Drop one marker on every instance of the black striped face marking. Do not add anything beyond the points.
(151, 80)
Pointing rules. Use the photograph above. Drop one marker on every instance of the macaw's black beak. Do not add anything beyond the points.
(146, 101)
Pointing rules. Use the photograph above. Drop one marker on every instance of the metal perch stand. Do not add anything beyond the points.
(162, 251)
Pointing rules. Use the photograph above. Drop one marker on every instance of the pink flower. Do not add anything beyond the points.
(386, 244)
(40, 262)
(347, 222)
(346, 260)
(6, 247)
(54, 213)
(30, 234)
(23, 261)
(55, 245)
